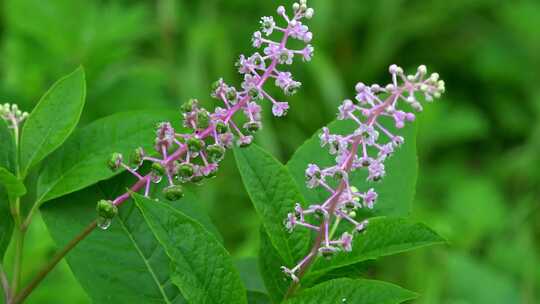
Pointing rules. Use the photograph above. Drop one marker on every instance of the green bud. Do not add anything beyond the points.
(252, 126)
(173, 193)
(136, 156)
(203, 119)
(189, 105)
(221, 127)
(185, 170)
(231, 95)
(106, 209)
(195, 144)
(215, 153)
(115, 161)
(254, 93)
(158, 169)
(216, 85)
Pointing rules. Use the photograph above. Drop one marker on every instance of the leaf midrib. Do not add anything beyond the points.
(146, 262)
(259, 180)
(197, 277)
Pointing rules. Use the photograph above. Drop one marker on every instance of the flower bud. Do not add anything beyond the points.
(203, 119)
(136, 157)
(231, 95)
(254, 93)
(252, 126)
(186, 170)
(173, 193)
(158, 169)
(189, 105)
(106, 209)
(115, 161)
(245, 141)
(194, 144)
(221, 127)
(327, 252)
(215, 153)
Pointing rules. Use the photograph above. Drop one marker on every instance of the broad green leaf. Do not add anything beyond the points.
(250, 274)
(6, 223)
(7, 147)
(14, 187)
(274, 194)
(201, 268)
(396, 191)
(270, 266)
(255, 297)
(53, 119)
(353, 291)
(81, 161)
(7, 160)
(124, 264)
(383, 237)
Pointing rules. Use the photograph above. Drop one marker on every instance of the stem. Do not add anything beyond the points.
(17, 268)
(57, 258)
(5, 284)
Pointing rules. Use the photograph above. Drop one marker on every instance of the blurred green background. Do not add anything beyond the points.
(479, 146)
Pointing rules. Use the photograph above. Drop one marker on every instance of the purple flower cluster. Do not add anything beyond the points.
(195, 155)
(366, 148)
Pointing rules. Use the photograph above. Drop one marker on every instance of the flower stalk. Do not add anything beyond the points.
(366, 148)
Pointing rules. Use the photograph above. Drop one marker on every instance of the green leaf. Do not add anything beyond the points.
(81, 161)
(255, 297)
(274, 194)
(383, 237)
(396, 191)
(7, 160)
(53, 119)
(201, 267)
(6, 223)
(250, 274)
(7, 147)
(14, 187)
(353, 291)
(124, 264)
(270, 266)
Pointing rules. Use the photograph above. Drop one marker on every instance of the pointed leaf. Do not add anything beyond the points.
(7, 147)
(270, 265)
(14, 187)
(383, 237)
(124, 264)
(274, 194)
(7, 160)
(81, 161)
(353, 291)
(201, 267)
(53, 119)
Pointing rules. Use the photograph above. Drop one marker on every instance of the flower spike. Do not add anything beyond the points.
(366, 148)
(195, 155)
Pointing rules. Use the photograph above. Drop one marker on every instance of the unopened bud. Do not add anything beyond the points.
(173, 193)
(115, 161)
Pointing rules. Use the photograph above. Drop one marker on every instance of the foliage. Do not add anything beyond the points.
(478, 175)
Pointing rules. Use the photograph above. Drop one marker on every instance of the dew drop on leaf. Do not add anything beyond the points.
(104, 223)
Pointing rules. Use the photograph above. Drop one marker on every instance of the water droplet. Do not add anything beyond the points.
(344, 300)
(104, 223)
